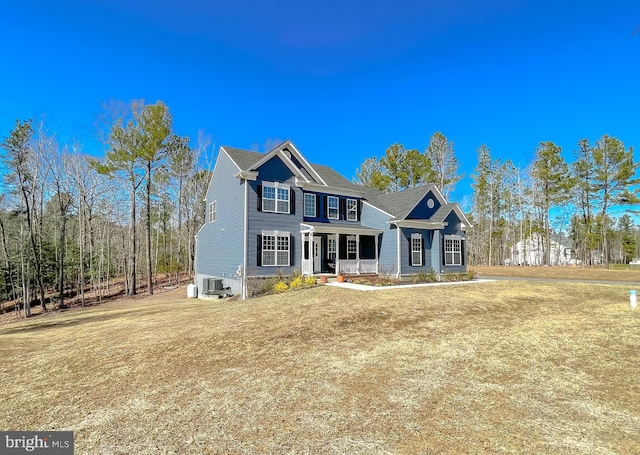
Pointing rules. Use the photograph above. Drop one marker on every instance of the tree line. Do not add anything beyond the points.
(511, 203)
(71, 222)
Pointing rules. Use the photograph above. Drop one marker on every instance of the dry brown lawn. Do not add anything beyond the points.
(572, 273)
(500, 367)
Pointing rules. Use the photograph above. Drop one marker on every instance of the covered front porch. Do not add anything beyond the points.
(339, 249)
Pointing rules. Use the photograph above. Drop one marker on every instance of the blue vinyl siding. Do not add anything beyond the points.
(407, 268)
(422, 211)
(374, 218)
(274, 170)
(454, 228)
(219, 244)
(323, 216)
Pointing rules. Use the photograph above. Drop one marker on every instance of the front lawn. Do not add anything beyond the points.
(500, 367)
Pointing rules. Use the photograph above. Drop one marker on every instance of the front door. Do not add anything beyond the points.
(317, 252)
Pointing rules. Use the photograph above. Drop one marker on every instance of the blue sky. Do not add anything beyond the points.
(342, 79)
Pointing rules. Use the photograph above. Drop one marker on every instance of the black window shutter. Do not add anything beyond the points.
(359, 209)
(292, 201)
(317, 206)
(462, 261)
(341, 205)
(444, 257)
(259, 191)
(410, 252)
(292, 251)
(259, 250)
(424, 253)
(326, 206)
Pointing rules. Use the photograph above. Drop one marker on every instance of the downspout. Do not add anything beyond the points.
(246, 234)
(398, 236)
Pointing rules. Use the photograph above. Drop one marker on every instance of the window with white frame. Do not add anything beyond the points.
(352, 210)
(275, 197)
(309, 205)
(332, 249)
(452, 250)
(275, 248)
(352, 247)
(332, 204)
(416, 249)
(212, 211)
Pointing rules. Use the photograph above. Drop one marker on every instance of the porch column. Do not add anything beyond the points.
(358, 253)
(302, 260)
(376, 254)
(337, 253)
(310, 250)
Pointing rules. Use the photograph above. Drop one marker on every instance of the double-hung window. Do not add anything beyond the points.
(332, 248)
(352, 247)
(452, 250)
(275, 197)
(352, 210)
(212, 211)
(309, 205)
(332, 204)
(416, 249)
(275, 248)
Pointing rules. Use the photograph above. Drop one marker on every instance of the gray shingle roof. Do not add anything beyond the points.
(442, 213)
(398, 204)
(243, 158)
(332, 178)
(401, 203)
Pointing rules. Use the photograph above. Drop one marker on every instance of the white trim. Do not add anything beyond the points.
(377, 208)
(276, 235)
(247, 175)
(399, 251)
(306, 164)
(417, 224)
(438, 195)
(310, 186)
(276, 186)
(285, 160)
(332, 228)
(222, 149)
(246, 237)
(453, 239)
(416, 236)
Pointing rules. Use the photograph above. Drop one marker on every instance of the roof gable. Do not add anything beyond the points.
(402, 203)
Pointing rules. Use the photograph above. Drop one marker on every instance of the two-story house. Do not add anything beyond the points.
(275, 211)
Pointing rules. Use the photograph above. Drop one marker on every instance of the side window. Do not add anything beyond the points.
(212, 211)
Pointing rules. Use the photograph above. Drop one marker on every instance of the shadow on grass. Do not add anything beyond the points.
(42, 324)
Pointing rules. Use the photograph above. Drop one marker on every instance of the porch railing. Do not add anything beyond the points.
(355, 266)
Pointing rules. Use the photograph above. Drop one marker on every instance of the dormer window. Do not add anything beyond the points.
(275, 197)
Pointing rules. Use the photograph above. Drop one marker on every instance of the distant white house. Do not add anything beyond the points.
(531, 251)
